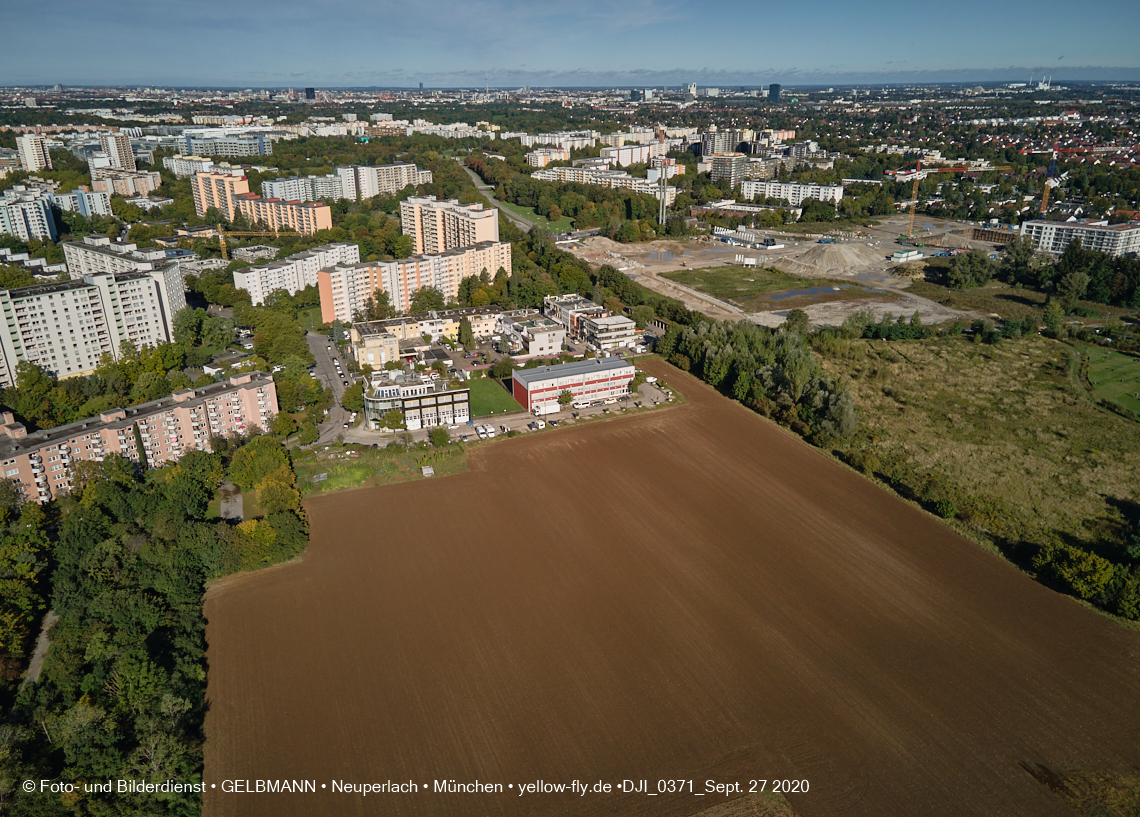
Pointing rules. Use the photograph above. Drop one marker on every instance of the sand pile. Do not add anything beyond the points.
(835, 259)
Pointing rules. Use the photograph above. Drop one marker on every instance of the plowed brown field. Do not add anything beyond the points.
(690, 593)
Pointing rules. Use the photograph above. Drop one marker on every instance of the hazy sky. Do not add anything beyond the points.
(443, 43)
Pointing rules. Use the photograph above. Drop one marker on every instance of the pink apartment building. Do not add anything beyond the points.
(167, 429)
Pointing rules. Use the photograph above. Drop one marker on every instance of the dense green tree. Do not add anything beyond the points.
(466, 334)
(353, 397)
(972, 269)
(426, 299)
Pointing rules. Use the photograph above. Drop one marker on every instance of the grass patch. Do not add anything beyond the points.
(999, 299)
(309, 317)
(489, 397)
(250, 509)
(563, 225)
(759, 289)
(1115, 377)
(1003, 433)
(1003, 300)
(357, 466)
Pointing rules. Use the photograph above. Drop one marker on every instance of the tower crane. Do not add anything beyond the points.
(919, 175)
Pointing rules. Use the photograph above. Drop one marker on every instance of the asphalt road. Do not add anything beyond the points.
(487, 191)
(326, 373)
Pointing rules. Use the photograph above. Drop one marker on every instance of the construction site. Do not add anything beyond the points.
(861, 259)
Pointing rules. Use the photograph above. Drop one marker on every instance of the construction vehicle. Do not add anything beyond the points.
(222, 238)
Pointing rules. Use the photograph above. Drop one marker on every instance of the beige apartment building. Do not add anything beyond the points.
(217, 190)
(345, 289)
(305, 217)
(33, 152)
(161, 431)
(437, 226)
(117, 146)
(115, 182)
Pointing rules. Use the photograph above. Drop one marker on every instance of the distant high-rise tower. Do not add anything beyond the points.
(311, 94)
(421, 86)
(773, 93)
(117, 146)
(33, 152)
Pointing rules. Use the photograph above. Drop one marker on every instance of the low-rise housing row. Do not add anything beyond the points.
(377, 342)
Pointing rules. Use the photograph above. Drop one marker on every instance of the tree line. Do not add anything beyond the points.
(122, 690)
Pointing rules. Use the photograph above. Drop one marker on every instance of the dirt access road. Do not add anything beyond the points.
(692, 593)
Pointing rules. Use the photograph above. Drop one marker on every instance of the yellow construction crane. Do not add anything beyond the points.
(918, 177)
(222, 238)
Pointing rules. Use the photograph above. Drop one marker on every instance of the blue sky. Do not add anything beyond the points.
(442, 43)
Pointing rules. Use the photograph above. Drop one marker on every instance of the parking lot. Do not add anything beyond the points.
(649, 395)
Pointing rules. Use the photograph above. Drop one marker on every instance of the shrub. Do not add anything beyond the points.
(946, 509)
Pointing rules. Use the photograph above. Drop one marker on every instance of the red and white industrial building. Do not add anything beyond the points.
(606, 378)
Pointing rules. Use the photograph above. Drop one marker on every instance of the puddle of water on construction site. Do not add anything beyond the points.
(665, 255)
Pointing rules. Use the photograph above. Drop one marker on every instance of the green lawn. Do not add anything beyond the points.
(309, 317)
(1114, 376)
(488, 397)
(563, 225)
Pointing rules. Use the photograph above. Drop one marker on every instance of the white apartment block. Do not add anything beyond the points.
(167, 428)
(437, 226)
(27, 213)
(33, 152)
(1054, 236)
(303, 188)
(66, 328)
(182, 166)
(570, 140)
(544, 156)
(792, 192)
(96, 254)
(605, 178)
(345, 289)
(633, 154)
(364, 182)
(295, 272)
(85, 202)
(117, 146)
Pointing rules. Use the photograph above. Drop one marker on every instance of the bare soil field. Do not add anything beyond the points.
(692, 593)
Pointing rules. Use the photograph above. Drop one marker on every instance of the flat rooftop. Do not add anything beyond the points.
(572, 369)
